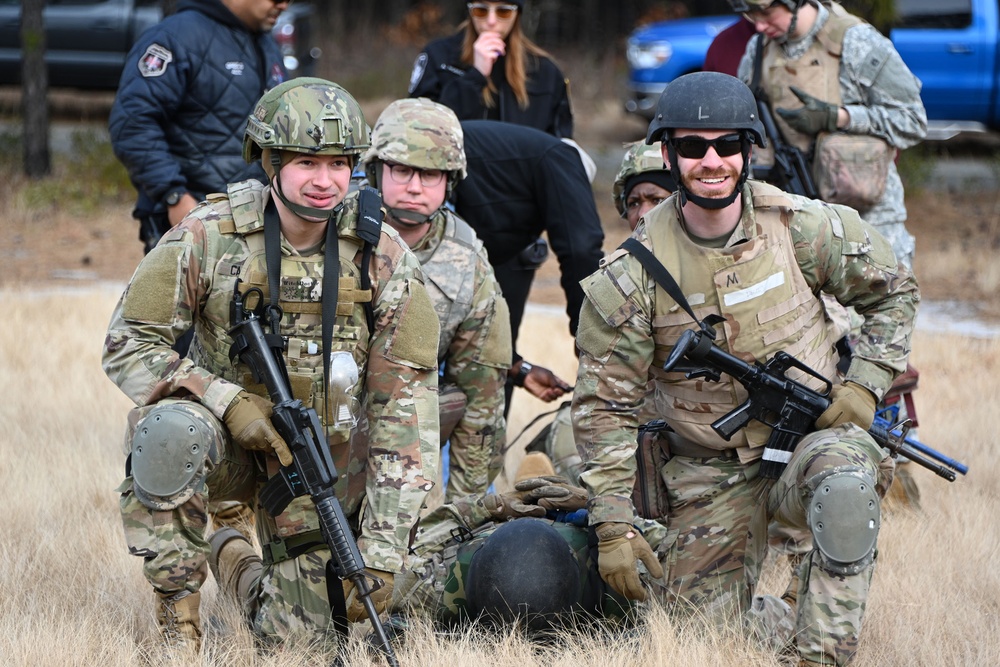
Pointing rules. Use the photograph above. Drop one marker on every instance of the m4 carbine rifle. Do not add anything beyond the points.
(790, 408)
(312, 472)
(790, 170)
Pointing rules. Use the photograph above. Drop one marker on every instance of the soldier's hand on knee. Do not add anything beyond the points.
(619, 551)
(849, 402)
(248, 419)
(380, 597)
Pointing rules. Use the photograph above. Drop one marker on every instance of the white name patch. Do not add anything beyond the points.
(755, 291)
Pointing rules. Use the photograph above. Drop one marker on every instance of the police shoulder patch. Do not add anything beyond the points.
(418, 72)
(155, 60)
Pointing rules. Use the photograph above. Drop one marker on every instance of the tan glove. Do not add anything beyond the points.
(849, 402)
(248, 419)
(503, 506)
(620, 549)
(553, 493)
(379, 597)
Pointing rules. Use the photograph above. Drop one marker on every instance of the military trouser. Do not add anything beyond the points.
(292, 597)
(718, 536)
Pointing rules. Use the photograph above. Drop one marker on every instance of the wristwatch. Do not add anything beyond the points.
(173, 197)
(522, 373)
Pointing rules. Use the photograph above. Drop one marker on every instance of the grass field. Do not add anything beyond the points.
(71, 595)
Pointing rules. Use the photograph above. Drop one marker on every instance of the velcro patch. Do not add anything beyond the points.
(415, 340)
(155, 60)
(151, 297)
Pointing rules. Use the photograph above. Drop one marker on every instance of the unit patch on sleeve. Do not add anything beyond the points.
(154, 61)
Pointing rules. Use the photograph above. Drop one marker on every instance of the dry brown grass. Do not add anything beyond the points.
(71, 595)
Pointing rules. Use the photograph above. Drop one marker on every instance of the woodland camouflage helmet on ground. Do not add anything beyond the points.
(306, 115)
(709, 101)
(639, 158)
(418, 133)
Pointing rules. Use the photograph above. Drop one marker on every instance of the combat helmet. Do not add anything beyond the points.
(306, 115)
(707, 101)
(640, 158)
(525, 572)
(418, 133)
(741, 6)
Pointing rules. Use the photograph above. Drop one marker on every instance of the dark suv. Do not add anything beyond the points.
(87, 40)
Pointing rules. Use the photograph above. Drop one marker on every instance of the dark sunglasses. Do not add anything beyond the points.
(694, 148)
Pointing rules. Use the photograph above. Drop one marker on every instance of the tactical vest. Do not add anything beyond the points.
(450, 277)
(758, 287)
(300, 299)
(816, 72)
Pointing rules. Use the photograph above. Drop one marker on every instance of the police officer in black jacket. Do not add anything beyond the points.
(186, 90)
(523, 182)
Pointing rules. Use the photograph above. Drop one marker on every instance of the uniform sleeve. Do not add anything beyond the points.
(457, 86)
(842, 255)
(476, 362)
(572, 223)
(881, 95)
(158, 306)
(144, 106)
(616, 350)
(401, 404)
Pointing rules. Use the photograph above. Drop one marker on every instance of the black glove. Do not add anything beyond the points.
(815, 117)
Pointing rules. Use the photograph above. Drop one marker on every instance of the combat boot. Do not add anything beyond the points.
(534, 464)
(236, 567)
(179, 621)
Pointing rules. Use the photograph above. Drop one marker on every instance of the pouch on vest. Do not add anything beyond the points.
(851, 169)
(649, 495)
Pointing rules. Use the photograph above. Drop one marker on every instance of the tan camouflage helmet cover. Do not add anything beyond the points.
(306, 115)
(419, 133)
(639, 158)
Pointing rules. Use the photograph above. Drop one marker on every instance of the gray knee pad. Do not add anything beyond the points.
(170, 449)
(844, 518)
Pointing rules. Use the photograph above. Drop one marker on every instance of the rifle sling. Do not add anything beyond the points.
(663, 278)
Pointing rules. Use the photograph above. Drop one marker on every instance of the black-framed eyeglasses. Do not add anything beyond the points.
(694, 148)
(403, 174)
(481, 10)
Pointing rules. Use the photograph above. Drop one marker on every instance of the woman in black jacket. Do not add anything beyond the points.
(490, 70)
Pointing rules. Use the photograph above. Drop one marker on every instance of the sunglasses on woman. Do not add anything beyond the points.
(481, 10)
(694, 148)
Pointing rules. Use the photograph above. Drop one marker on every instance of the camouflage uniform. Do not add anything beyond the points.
(880, 94)
(387, 463)
(474, 348)
(764, 282)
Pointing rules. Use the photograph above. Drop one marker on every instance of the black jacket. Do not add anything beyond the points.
(521, 183)
(440, 75)
(188, 86)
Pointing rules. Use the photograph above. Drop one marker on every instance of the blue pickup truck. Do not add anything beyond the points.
(952, 46)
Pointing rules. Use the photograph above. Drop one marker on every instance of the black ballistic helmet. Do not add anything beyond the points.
(524, 572)
(706, 100)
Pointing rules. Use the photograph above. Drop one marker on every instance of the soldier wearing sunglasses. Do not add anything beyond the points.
(490, 70)
(758, 260)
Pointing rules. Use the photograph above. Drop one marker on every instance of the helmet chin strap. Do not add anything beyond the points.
(408, 218)
(306, 212)
(710, 203)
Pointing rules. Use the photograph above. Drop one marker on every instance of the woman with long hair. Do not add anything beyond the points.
(489, 69)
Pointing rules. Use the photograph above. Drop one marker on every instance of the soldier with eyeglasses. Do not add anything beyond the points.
(759, 260)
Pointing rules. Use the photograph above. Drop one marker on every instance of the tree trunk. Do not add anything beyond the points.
(34, 90)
